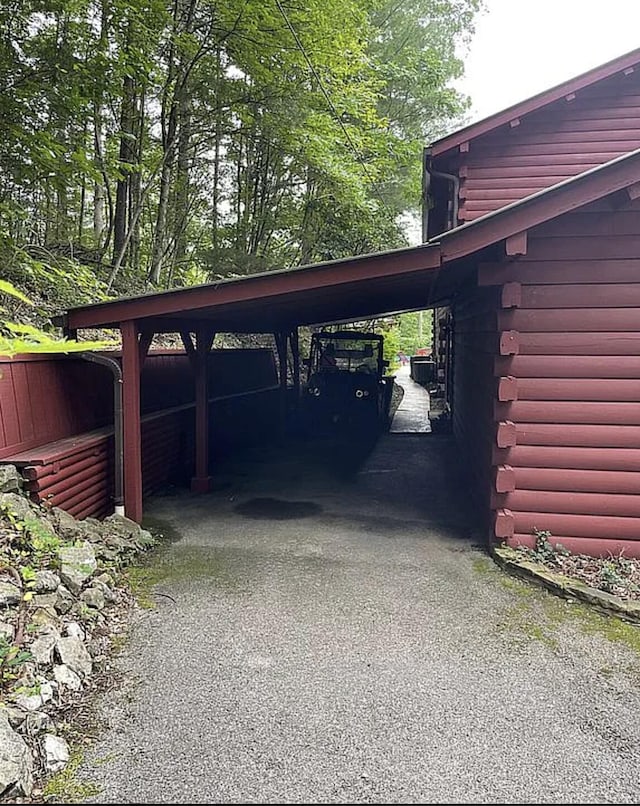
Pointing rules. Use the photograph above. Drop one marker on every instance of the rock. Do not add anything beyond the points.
(78, 563)
(35, 723)
(75, 630)
(46, 582)
(7, 630)
(90, 530)
(65, 525)
(16, 504)
(110, 596)
(145, 539)
(10, 594)
(73, 653)
(119, 525)
(44, 619)
(16, 715)
(93, 597)
(65, 600)
(42, 649)
(66, 677)
(120, 544)
(16, 762)
(31, 702)
(10, 479)
(106, 554)
(45, 600)
(56, 752)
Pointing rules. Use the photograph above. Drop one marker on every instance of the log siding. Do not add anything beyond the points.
(566, 454)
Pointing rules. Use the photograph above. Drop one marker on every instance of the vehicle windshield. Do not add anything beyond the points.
(350, 355)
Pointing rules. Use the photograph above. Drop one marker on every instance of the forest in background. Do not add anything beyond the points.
(152, 144)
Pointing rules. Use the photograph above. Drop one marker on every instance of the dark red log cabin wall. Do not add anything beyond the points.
(567, 452)
(560, 140)
(56, 416)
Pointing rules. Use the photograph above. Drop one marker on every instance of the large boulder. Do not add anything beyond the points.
(16, 505)
(10, 594)
(77, 564)
(16, 761)
(42, 648)
(10, 479)
(56, 752)
(73, 653)
(46, 581)
(130, 531)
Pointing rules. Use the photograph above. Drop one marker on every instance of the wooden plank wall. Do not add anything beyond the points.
(554, 143)
(56, 418)
(47, 398)
(567, 445)
(43, 399)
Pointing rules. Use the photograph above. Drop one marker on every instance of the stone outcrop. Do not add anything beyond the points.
(60, 603)
(16, 761)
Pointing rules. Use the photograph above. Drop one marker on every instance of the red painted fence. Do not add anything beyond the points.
(56, 420)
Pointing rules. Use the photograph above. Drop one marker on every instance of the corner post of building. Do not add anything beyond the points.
(131, 427)
(201, 481)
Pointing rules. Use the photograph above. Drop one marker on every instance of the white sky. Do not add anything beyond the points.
(522, 47)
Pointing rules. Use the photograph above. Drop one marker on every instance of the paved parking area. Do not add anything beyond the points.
(335, 634)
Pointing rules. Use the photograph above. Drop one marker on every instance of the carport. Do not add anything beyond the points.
(276, 303)
(544, 298)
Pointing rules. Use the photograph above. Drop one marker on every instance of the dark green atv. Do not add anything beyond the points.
(346, 388)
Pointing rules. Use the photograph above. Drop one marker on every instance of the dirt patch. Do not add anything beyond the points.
(617, 575)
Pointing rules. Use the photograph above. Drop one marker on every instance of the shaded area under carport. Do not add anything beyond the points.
(327, 631)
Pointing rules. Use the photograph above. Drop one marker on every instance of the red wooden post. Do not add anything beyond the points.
(295, 357)
(131, 406)
(281, 346)
(200, 483)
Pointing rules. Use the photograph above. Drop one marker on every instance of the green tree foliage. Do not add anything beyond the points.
(163, 142)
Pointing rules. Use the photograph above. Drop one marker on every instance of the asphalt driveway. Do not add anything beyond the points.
(329, 629)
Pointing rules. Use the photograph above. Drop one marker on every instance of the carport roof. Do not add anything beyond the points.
(361, 287)
(339, 290)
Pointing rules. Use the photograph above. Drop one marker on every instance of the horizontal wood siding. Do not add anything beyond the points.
(475, 343)
(566, 454)
(548, 146)
(56, 417)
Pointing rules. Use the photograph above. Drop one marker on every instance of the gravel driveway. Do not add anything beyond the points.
(336, 634)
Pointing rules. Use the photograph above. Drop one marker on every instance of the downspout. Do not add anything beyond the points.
(452, 212)
(114, 367)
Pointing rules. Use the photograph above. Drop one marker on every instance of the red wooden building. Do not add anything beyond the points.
(534, 248)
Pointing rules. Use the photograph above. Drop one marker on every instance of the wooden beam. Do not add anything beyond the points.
(516, 244)
(633, 191)
(146, 337)
(132, 431)
(188, 345)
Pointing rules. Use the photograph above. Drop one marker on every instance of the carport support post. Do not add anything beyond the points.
(132, 431)
(295, 357)
(200, 483)
(281, 345)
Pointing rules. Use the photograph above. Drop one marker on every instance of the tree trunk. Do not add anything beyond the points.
(126, 157)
